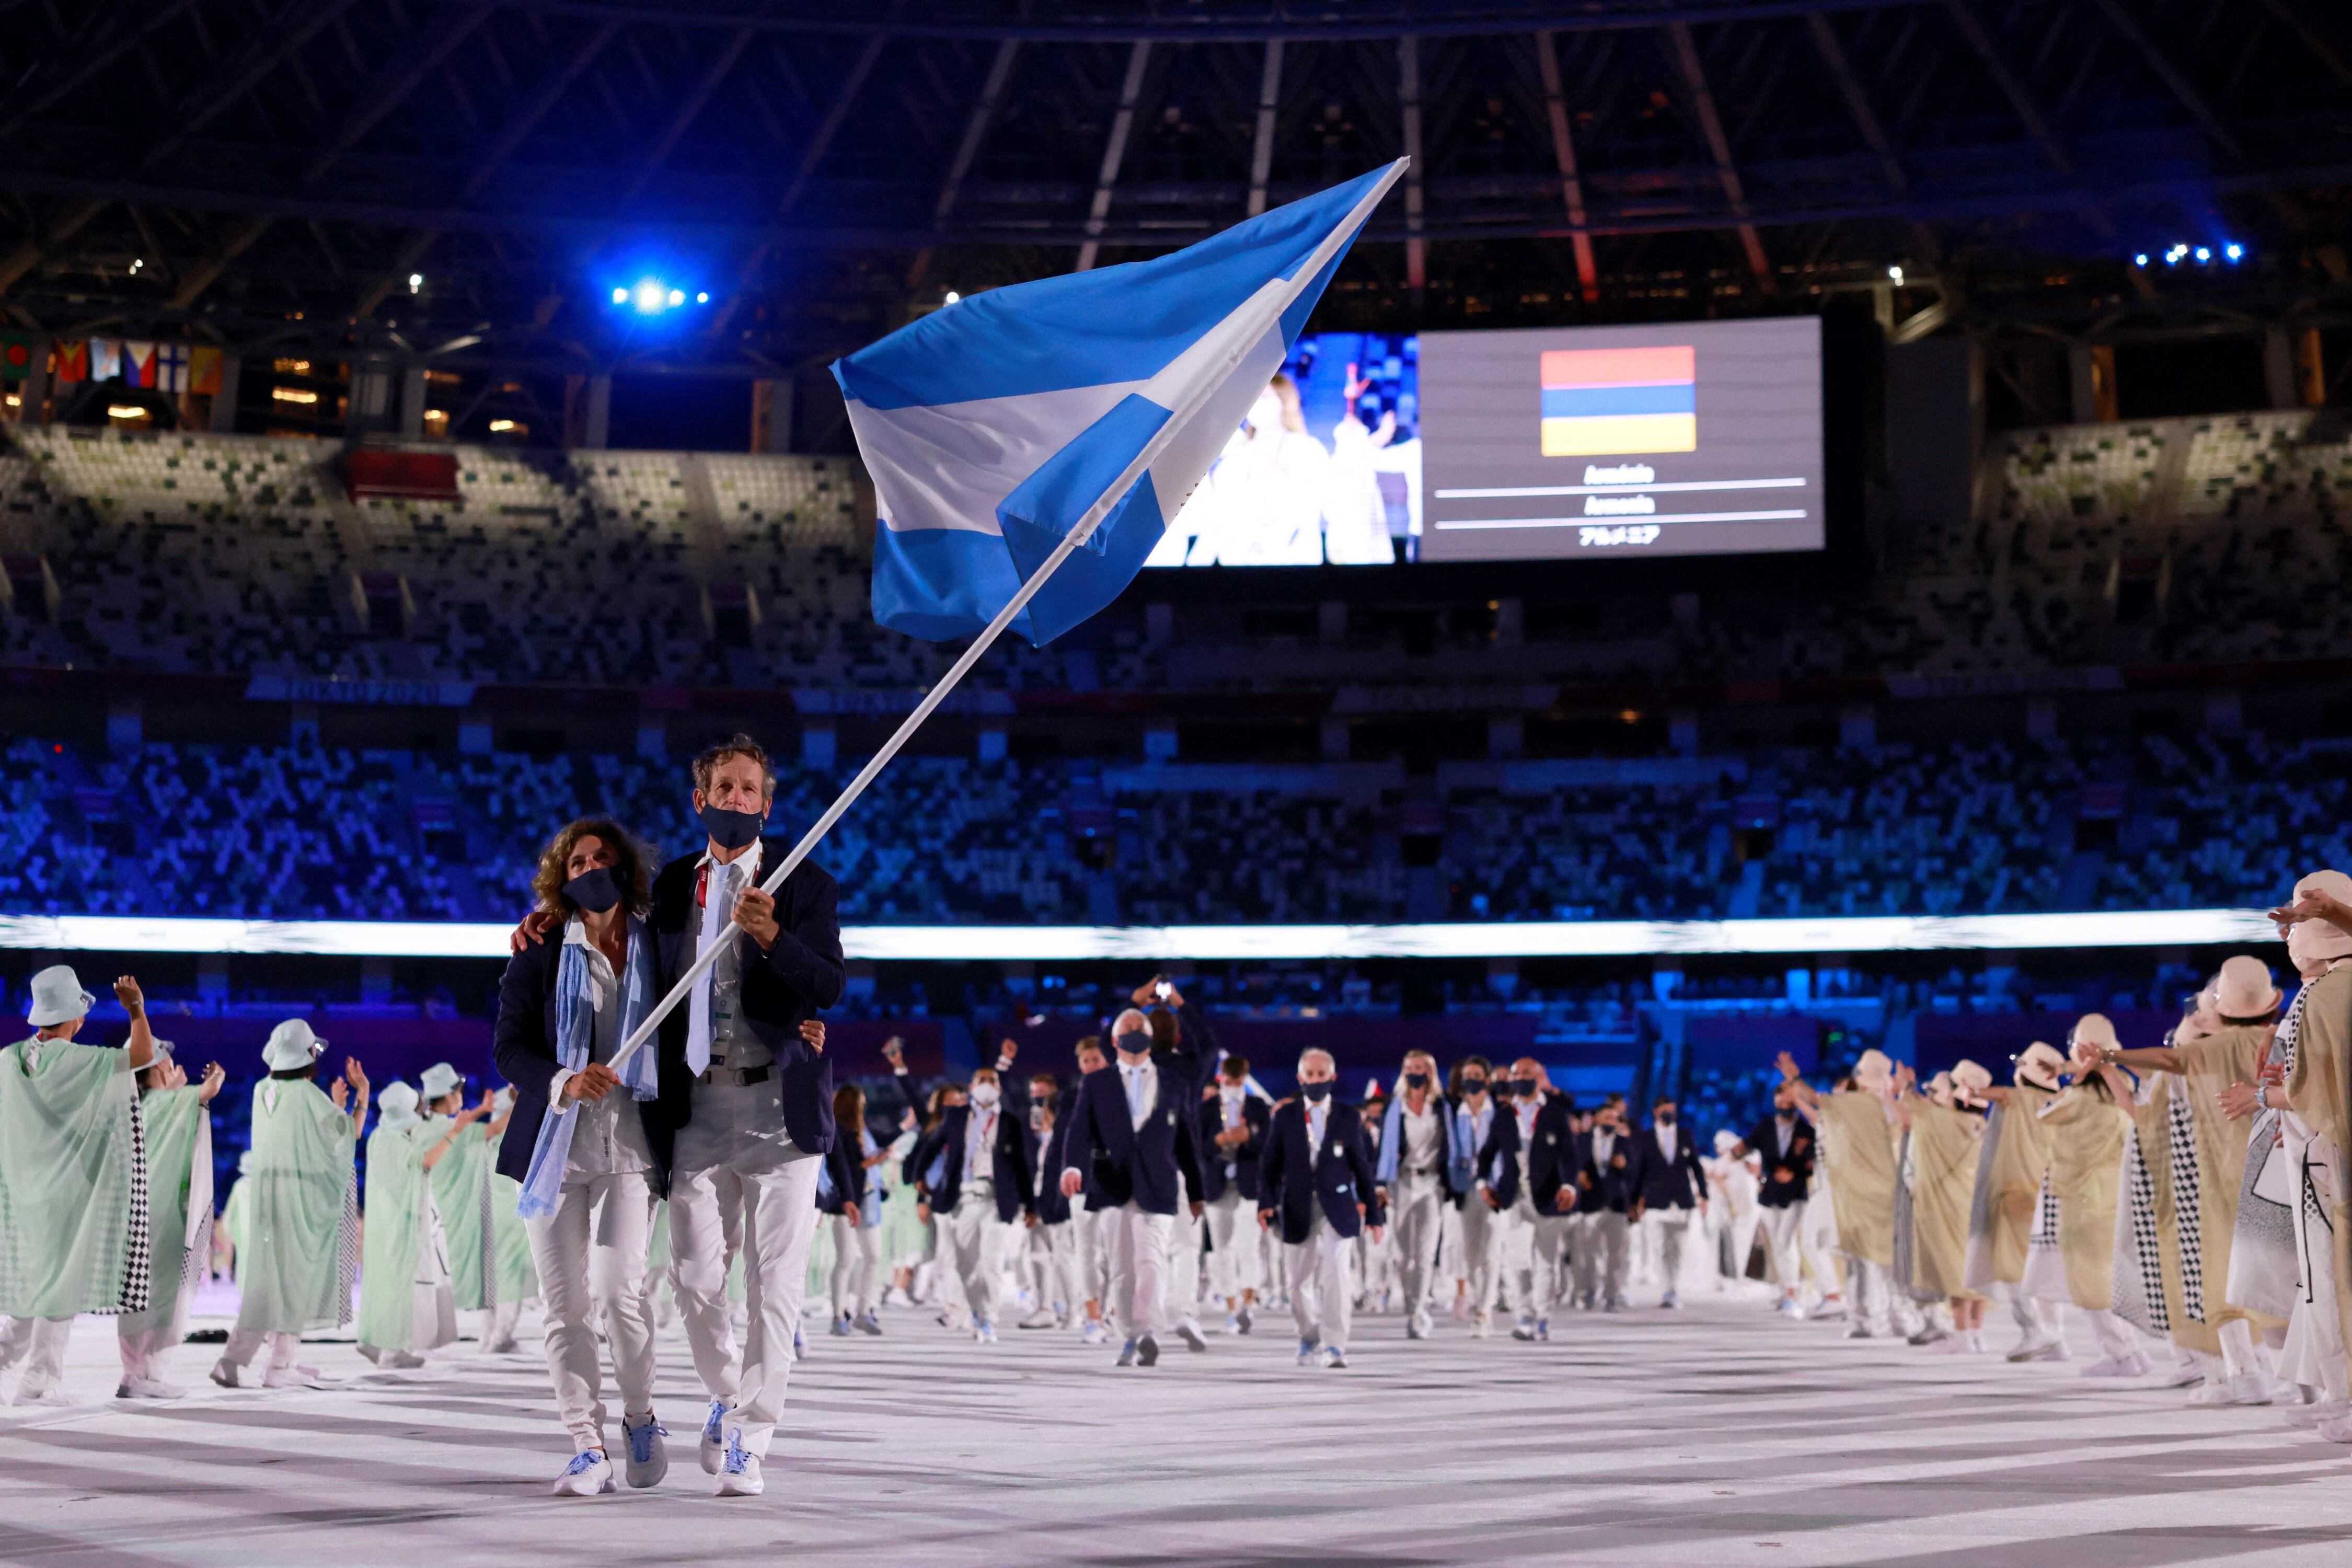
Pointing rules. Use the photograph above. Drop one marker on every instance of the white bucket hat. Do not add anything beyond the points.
(291, 1047)
(1726, 1141)
(58, 997)
(397, 1104)
(1874, 1069)
(2091, 1030)
(438, 1080)
(1969, 1081)
(2244, 991)
(2319, 942)
(2039, 1064)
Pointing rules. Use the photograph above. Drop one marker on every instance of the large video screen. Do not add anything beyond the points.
(1374, 449)
(1703, 439)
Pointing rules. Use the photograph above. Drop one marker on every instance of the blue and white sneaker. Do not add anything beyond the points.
(589, 1474)
(984, 1332)
(1308, 1350)
(740, 1475)
(714, 1447)
(1543, 1330)
(1335, 1358)
(868, 1323)
(1127, 1354)
(800, 1343)
(649, 1457)
(841, 1328)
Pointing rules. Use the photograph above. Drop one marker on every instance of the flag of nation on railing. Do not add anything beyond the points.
(994, 426)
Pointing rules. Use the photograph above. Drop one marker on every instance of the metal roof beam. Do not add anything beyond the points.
(294, 26)
(1122, 125)
(2173, 77)
(696, 100)
(1686, 51)
(1270, 102)
(1416, 248)
(967, 153)
(1563, 154)
(2012, 87)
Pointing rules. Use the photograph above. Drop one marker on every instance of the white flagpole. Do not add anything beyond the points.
(1111, 496)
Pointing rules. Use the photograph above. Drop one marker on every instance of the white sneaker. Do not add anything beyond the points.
(2251, 1388)
(1233, 1322)
(51, 1398)
(649, 1453)
(2338, 1430)
(149, 1388)
(1190, 1333)
(589, 1474)
(983, 1333)
(1334, 1358)
(2113, 1366)
(2039, 1350)
(1951, 1344)
(1043, 1318)
(1245, 1317)
(225, 1373)
(1669, 1302)
(1482, 1326)
(506, 1346)
(2183, 1376)
(1307, 1351)
(1862, 1331)
(714, 1445)
(1094, 1333)
(2312, 1414)
(740, 1475)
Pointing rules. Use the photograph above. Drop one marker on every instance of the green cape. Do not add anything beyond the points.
(295, 1265)
(73, 1182)
(178, 1128)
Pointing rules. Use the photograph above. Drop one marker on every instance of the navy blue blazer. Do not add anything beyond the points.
(1292, 1179)
(1242, 1156)
(1498, 1157)
(1614, 1185)
(1008, 1161)
(1764, 1141)
(1554, 1158)
(1049, 1153)
(522, 1044)
(788, 982)
(1675, 1184)
(1123, 1162)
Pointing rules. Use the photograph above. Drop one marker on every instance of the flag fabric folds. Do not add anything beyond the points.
(992, 427)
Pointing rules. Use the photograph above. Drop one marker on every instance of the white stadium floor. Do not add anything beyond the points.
(1717, 1434)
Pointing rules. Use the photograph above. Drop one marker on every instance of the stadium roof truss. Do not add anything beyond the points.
(264, 172)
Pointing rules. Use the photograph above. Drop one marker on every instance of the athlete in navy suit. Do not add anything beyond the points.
(1316, 1181)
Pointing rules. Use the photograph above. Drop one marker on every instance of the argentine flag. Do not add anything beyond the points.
(995, 426)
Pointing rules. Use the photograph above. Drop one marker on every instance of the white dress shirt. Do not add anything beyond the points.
(979, 1141)
(1143, 1083)
(608, 1139)
(1318, 1117)
(720, 998)
(1666, 1143)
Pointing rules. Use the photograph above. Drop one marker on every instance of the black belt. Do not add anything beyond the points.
(742, 1078)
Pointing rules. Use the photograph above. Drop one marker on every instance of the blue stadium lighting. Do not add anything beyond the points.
(2141, 260)
(2204, 254)
(620, 296)
(651, 299)
(2234, 252)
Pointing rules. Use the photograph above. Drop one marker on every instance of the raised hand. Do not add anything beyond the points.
(127, 992)
(215, 1076)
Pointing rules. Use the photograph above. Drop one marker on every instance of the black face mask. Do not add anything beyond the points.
(1416, 1080)
(732, 829)
(1135, 1042)
(595, 889)
(1317, 1092)
(1666, 1118)
(1474, 1085)
(1525, 1087)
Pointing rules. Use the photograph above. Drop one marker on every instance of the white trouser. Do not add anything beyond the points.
(144, 1349)
(1553, 1250)
(972, 1247)
(2239, 1354)
(40, 1344)
(1878, 1304)
(2116, 1339)
(243, 1344)
(1602, 1260)
(1093, 1228)
(1515, 1244)
(1232, 1245)
(1416, 1219)
(1742, 1229)
(1481, 1230)
(770, 1210)
(501, 1324)
(1818, 1236)
(1137, 1243)
(1783, 1229)
(591, 1257)
(2042, 1323)
(856, 1265)
(1182, 1281)
(1322, 1297)
(1671, 1229)
(1052, 1255)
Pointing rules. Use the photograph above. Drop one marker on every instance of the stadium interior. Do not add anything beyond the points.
(484, 464)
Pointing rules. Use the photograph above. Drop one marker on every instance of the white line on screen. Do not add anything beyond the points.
(1502, 492)
(1468, 524)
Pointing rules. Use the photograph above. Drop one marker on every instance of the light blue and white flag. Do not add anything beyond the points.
(994, 426)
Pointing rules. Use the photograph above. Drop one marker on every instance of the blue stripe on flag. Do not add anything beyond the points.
(939, 582)
(1110, 326)
(1049, 503)
(1590, 402)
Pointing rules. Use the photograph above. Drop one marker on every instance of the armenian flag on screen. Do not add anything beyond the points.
(1604, 402)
